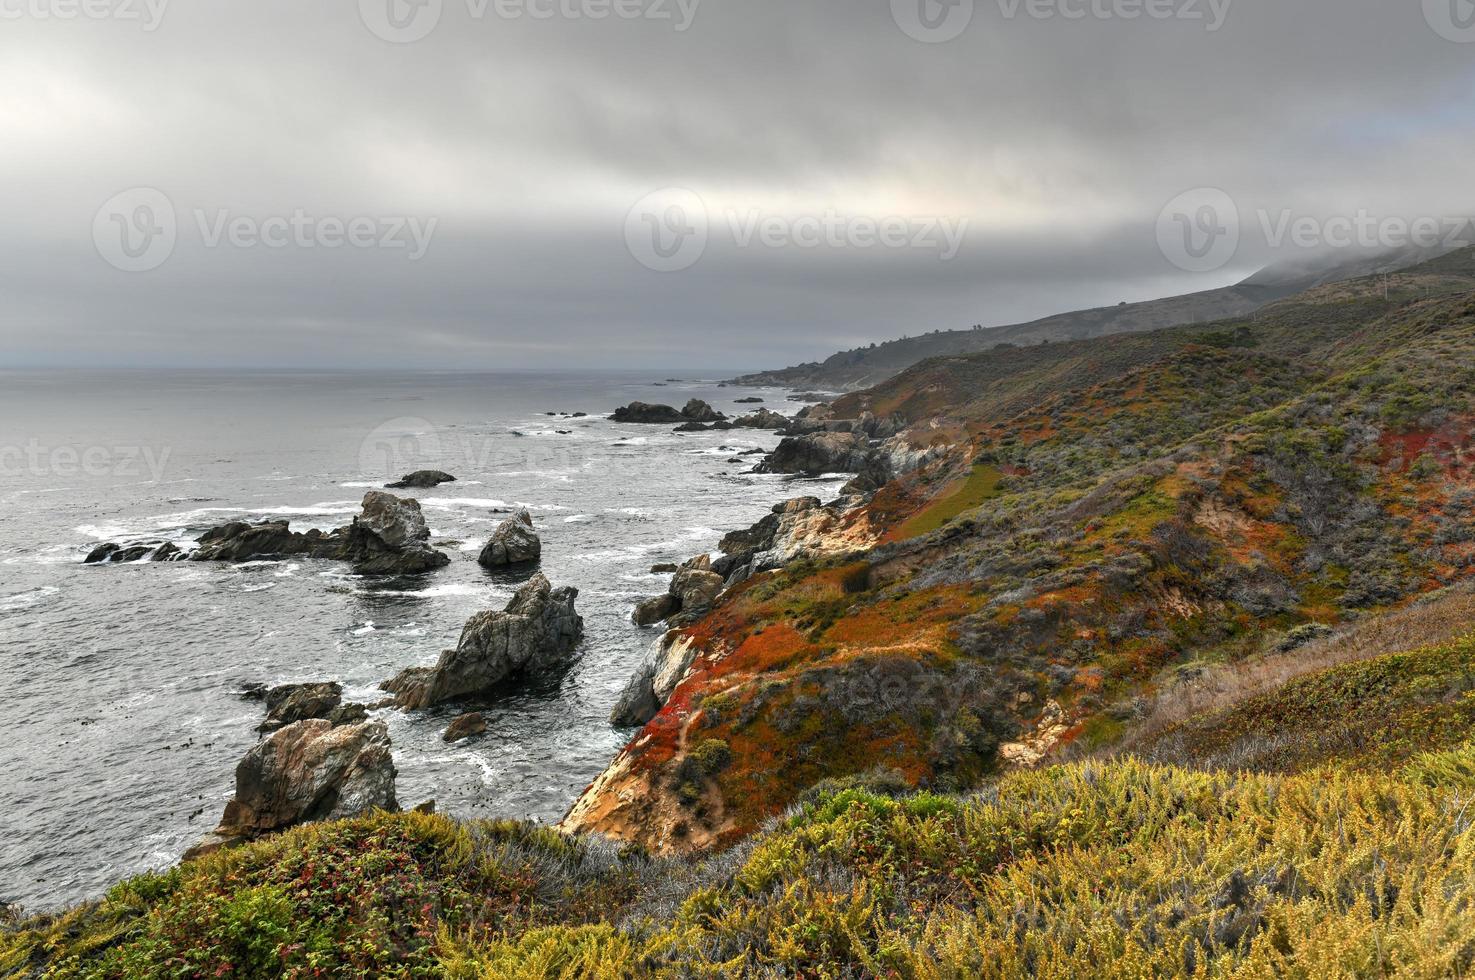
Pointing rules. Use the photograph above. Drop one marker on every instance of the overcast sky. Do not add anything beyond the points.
(711, 183)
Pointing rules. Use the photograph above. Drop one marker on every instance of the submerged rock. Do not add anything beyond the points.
(464, 727)
(538, 628)
(514, 542)
(422, 480)
(307, 771)
(113, 553)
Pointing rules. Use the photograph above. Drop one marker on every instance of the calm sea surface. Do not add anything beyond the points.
(121, 725)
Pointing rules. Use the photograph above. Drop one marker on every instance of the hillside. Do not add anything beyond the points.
(1083, 523)
(866, 367)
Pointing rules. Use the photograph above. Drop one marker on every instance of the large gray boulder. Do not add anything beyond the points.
(390, 537)
(514, 542)
(537, 629)
(697, 410)
(307, 771)
(819, 453)
(239, 541)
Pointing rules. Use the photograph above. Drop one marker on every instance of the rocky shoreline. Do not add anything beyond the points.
(321, 758)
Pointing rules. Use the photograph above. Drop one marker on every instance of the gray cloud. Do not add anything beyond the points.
(527, 142)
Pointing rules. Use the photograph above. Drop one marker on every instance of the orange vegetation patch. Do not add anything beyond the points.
(768, 649)
(914, 618)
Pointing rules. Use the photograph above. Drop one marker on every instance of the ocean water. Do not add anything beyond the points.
(121, 723)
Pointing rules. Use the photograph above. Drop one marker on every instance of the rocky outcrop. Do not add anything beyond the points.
(696, 411)
(514, 542)
(653, 683)
(819, 453)
(239, 541)
(537, 629)
(466, 726)
(307, 771)
(641, 413)
(694, 588)
(796, 529)
(288, 704)
(763, 419)
(422, 480)
(112, 553)
(390, 537)
(291, 703)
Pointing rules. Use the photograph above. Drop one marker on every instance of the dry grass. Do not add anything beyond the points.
(1434, 620)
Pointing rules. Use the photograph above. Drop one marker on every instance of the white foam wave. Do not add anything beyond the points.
(25, 600)
(436, 591)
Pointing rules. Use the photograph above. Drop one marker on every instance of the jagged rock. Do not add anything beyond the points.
(514, 542)
(644, 414)
(692, 592)
(699, 411)
(819, 453)
(665, 568)
(464, 727)
(113, 553)
(654, 682)
(873, 475)
(692, 427)
(305, 772)
(695, 591)
(291, 703)
(763, 419)
(538, 627)
(390, 537)
(656, 610)
(748, 401)
(422, 480)
(242, 542)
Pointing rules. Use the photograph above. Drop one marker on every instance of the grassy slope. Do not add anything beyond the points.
(1098, 869)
